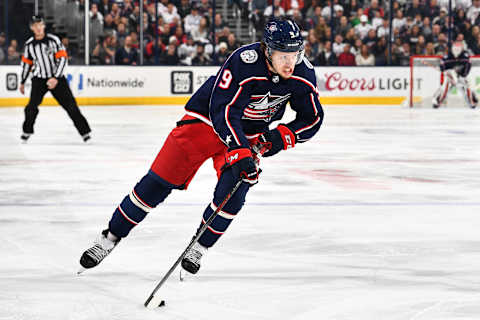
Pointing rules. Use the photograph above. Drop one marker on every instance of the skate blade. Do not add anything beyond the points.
(184, 275)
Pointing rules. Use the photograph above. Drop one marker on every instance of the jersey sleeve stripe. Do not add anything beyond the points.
(315, 110)
(308, 127)
(227, 109)
(199, 116)
(252, 78)
(60, 54)
(27, 61)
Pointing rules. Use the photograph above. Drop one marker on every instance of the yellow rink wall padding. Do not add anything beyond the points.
(181, 100)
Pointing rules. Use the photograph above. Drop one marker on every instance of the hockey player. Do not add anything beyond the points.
(46, 57)
(224, 118)
(455, 67)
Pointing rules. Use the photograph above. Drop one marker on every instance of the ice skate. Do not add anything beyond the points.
(94, 255)
(191, 261)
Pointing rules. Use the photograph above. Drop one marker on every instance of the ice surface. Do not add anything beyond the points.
(376, 218)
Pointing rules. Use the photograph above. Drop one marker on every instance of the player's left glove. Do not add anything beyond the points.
(280, 138)
(243, 165)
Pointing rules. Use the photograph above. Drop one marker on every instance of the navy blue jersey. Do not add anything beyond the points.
(245, 97)
(461, 64)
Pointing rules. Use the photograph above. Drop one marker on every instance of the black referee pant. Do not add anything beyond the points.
(64, 97)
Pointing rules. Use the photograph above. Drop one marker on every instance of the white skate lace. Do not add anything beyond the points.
(195, 254)
(101, 249)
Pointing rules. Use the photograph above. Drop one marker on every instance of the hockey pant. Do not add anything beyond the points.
(450, 79)
(186, 148)
(64, 97)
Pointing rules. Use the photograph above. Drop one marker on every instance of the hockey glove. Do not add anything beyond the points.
(280, 138)
(242, 164)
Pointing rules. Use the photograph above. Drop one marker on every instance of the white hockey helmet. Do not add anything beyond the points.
(457, 48)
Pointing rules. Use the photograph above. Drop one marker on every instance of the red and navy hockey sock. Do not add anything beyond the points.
(146, 195)
(221, 222)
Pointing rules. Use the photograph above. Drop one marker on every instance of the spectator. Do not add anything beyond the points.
(126, 55)
(127, 8)
(186, 51)
(414, 9)
(232, 43)
(192, 21)
(373, 9)
(320, 29)
(109, 25)
(346, 58)
(201, 33)
(13, 57)
(377, 20)
(204, 8)
(327, 57)
(442, 44)
(181, 37)
(343, 27)
(201, 58)
(170, 57)
(432, 9)
(279, 12)
(257, 17)
(103, 53)
(473, 13)
(399, 21)
(162, 7)
(384, 29)
(338, 45)
(184, 8)
(426, 28)
(403, 58)
(170, 14)
(71, 54)
(104, 8)
(115, 11)
(371, 38)
(361, 30)
(378, 51)
(350, 8)
(95, 15)
(313, 43)
(441, 19)
(121, 33)
(165, 33)
(309, 54)
(420, 46)
(221, 56)
(219, 24)
(364, 57)
(429, 49)
(134, 18)
(150, 52)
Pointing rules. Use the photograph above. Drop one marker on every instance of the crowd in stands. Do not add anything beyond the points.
(344, 33)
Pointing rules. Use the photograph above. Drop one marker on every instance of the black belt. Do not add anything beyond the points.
(189, 121)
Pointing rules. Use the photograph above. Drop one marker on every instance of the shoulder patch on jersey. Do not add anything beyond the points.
(249, 56)
(307, 63)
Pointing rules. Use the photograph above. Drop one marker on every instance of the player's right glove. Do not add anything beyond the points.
(280, 138)
(243, 165)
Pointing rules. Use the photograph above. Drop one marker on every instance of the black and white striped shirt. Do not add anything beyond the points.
(47, 57)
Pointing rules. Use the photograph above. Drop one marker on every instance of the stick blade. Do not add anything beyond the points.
(154, 302)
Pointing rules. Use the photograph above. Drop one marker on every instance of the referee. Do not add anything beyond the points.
(46, 56)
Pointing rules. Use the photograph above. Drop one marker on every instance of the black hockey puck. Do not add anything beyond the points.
(162, 303)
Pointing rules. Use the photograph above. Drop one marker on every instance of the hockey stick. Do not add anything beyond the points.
(154, 301)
